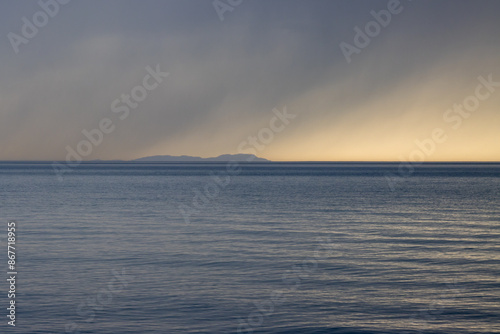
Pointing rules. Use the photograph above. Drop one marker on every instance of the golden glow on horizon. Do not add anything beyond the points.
(384, 128)
(334, 122)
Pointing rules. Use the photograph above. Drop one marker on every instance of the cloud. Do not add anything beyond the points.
(226, 77)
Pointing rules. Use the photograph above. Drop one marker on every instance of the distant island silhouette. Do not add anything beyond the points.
(187, 158)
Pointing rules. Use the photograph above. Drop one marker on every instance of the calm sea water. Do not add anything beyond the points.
(270, 248)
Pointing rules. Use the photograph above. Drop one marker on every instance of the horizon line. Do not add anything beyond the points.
(262, 162)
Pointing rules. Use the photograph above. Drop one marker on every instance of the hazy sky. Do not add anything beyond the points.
(226, 77)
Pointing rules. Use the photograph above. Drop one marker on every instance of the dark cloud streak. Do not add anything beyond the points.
(225, 75)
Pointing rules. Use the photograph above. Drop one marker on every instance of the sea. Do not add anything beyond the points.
(352, 248)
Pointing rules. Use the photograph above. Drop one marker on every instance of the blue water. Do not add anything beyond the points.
(265, 248)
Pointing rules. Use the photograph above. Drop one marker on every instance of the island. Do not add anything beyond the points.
(187, 158)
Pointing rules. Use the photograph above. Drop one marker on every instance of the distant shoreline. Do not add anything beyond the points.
(132, 162)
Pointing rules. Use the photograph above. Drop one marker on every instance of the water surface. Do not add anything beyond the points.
(270, 248)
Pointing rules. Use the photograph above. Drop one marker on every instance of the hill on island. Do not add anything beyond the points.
(187, 158)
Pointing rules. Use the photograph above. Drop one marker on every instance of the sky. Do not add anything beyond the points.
(288, 80)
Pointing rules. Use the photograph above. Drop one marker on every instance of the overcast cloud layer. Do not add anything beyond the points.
(226, 77)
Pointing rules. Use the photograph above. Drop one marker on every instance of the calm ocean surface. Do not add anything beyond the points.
(270, 248)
